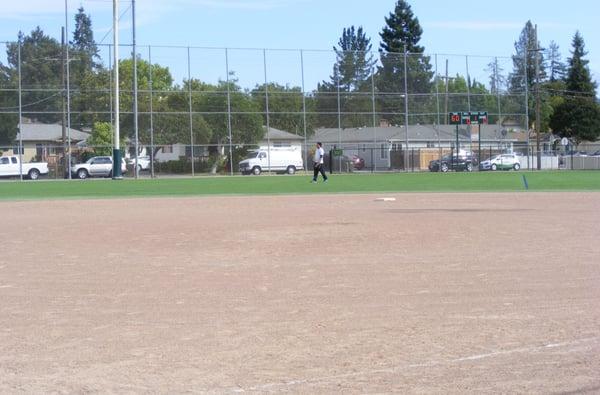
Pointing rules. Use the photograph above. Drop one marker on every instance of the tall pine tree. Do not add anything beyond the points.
(578, 116)
(523, 77)
(85, 70)
(524, 61)
(83, 44)
(402, 31)
(352, 72)
(554, 64)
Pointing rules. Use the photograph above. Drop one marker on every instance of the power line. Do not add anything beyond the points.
(111, 29)
(31, 104)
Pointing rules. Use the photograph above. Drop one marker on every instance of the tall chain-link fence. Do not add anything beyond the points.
(232, 111)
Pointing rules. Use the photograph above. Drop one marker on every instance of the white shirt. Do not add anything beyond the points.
(319, 153)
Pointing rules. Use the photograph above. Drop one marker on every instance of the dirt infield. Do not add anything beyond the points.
(432, 293)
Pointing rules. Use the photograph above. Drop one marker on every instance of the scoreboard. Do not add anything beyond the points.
(468, 118)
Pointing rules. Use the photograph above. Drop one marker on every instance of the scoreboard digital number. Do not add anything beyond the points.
(468, 118)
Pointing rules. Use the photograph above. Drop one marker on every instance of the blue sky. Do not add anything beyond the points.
(475, 28)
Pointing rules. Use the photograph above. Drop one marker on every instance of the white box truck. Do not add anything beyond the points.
(282, 160)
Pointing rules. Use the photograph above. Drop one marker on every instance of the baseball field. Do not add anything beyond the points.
(465, 283)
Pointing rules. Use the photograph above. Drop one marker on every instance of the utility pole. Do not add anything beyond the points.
(537, 102)
(447, 81)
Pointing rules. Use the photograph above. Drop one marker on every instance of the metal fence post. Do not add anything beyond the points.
(229, 113)
(267, 110)
(406, 106)
(373, 164)
(304, 111)
(20, 109)
(135, 94)
(151, 112)
(190, 109)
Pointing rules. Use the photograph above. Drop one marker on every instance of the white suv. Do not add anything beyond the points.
(98, 166)
(143, 162)
(501, 162)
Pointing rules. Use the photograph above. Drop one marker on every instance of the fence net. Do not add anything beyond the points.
(205, 110)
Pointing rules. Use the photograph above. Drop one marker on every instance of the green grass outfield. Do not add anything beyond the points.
(300, 184)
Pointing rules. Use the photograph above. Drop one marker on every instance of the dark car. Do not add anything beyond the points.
(453, 162)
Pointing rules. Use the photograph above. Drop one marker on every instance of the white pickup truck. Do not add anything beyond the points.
(9, 167)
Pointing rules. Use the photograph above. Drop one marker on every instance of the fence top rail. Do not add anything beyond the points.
(321, 50)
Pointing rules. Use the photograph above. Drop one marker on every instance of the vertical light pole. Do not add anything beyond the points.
(538, 126)
(135, 94)
(116, 146)
(20, 110)
(68, 89)
(65, 169)
(406, 106)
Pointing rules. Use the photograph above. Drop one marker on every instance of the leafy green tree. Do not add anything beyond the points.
(41, 74)
(578, 116)
(164, 94)
(402, 31)
(101, 139)
(8, 107)
(285, 108)
(247, 125)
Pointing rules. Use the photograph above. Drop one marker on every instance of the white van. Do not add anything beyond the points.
(286, 160)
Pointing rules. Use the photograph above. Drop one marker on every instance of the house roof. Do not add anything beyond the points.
(415, 133)
(48, 132)
(276, 134)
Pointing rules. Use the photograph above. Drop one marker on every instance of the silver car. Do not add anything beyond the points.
(97, 166)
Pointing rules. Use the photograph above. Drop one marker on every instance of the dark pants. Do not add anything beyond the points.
(319, 169)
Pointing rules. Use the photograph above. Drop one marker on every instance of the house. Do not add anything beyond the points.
(44, 141)
(280, 139)
(381, 146)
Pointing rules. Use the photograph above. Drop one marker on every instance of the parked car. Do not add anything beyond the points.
(357, 162)
(501, 162)
(9, 167)
(461, 162)
(143, 162)
(97, 166)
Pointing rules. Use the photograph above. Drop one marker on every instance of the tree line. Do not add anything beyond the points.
(569, 104)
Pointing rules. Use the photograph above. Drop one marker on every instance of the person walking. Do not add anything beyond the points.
(318, 163)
